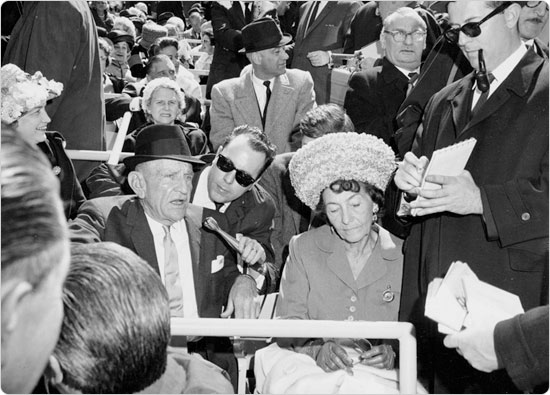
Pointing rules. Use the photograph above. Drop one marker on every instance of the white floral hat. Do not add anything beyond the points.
(22, 92)
(340, 156)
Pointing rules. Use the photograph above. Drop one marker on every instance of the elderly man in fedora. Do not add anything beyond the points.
(160, 225)
(269, 96)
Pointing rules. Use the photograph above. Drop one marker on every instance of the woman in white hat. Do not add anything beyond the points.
(24, 99)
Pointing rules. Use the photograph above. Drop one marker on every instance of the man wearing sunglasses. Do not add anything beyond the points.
(494, 215)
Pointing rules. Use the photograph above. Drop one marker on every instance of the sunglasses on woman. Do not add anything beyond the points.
(472, 29)
(242, 177)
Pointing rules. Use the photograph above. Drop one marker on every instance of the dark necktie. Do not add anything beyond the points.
(483, 97)
(172, 274)
(267, 97)
(247, 13)
(218, 206)
(412, 80)
(312, 16)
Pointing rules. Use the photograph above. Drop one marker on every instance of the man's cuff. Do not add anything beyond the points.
(487, 215)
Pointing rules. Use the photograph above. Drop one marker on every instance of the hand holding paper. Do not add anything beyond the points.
(458, 194)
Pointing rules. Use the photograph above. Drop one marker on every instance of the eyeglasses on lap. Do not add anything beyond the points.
(242, 177)
(473, 29)
(534, 4)
(400, 36)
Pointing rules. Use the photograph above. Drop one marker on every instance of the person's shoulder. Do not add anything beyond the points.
(315, 238)
(106, 204)
(391, 245)
(361, 78)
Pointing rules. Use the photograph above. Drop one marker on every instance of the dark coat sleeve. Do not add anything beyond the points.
(521, 344)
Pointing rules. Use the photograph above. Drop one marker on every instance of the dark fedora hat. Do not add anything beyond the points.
(163, 18)
(161, 142)
(117, 36)
(263, 33)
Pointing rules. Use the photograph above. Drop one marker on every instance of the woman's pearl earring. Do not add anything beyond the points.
(374, 213)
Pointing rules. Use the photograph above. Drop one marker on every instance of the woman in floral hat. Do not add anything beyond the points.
(349, 269)
(24, 99)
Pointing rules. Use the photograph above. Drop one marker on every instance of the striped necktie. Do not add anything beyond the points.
(172, 275)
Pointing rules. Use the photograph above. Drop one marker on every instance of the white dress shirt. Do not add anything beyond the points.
(201, 197)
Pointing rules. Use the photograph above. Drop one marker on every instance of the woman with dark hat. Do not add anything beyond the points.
(123, 43)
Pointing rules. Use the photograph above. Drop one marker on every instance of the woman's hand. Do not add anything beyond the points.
(332, 357)
(381, 357)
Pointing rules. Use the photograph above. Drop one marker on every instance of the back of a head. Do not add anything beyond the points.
(34, 229)
(325, 119)
(116, 328)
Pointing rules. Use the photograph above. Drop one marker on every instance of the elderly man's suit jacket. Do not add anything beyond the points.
(326, 33)
(373, 98)
(121, 219)
(234, 103)
(507, 246)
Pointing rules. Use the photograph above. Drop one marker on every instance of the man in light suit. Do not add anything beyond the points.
(494, 215)
(318, 36)
(275, 108)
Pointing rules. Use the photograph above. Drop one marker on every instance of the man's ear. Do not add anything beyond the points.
(383, 39)
(511, 15)
(53, 372)
(13, 294)
(137, 183)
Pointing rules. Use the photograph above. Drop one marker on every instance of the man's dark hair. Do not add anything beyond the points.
(257, 140)
(116, 328)
(164, 42)
(325, 119)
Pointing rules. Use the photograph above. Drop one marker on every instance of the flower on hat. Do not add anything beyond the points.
(340, 156)
(21, 92)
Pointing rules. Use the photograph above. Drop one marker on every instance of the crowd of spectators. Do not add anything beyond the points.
(246, 171)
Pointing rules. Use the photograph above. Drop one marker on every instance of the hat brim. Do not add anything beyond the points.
(287, 38)
(132, 161)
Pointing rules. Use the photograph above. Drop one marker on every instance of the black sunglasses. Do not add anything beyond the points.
(243, 178)
(472, 29)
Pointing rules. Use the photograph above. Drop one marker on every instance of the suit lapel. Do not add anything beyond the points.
(247, 103)
(339, 265)
(193, 218)
(282, 92)
(326, 11)
(517, 82)
(141, 235)
(460, 101)
(301, 32)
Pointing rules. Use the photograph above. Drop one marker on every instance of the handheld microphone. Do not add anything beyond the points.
(212, 224)
(482, 80)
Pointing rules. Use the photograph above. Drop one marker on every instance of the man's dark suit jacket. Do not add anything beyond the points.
(227, 61)
(366, 27)
(507, 246)
(373, 98)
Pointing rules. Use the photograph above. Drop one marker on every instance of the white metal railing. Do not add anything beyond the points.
(403, 331)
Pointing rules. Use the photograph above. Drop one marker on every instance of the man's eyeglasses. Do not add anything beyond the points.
(534, 4)
(472, 29)
(242, 177)
(400, 36)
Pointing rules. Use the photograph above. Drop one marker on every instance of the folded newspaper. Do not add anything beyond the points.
(460, 300)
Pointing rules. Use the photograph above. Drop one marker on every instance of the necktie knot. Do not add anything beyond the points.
(412, 77)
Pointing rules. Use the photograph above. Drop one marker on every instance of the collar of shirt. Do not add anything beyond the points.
(407, 72)
(201, 197)
(259, 89)
(504, 69)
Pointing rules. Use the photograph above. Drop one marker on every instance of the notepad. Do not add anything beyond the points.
(448, 161)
